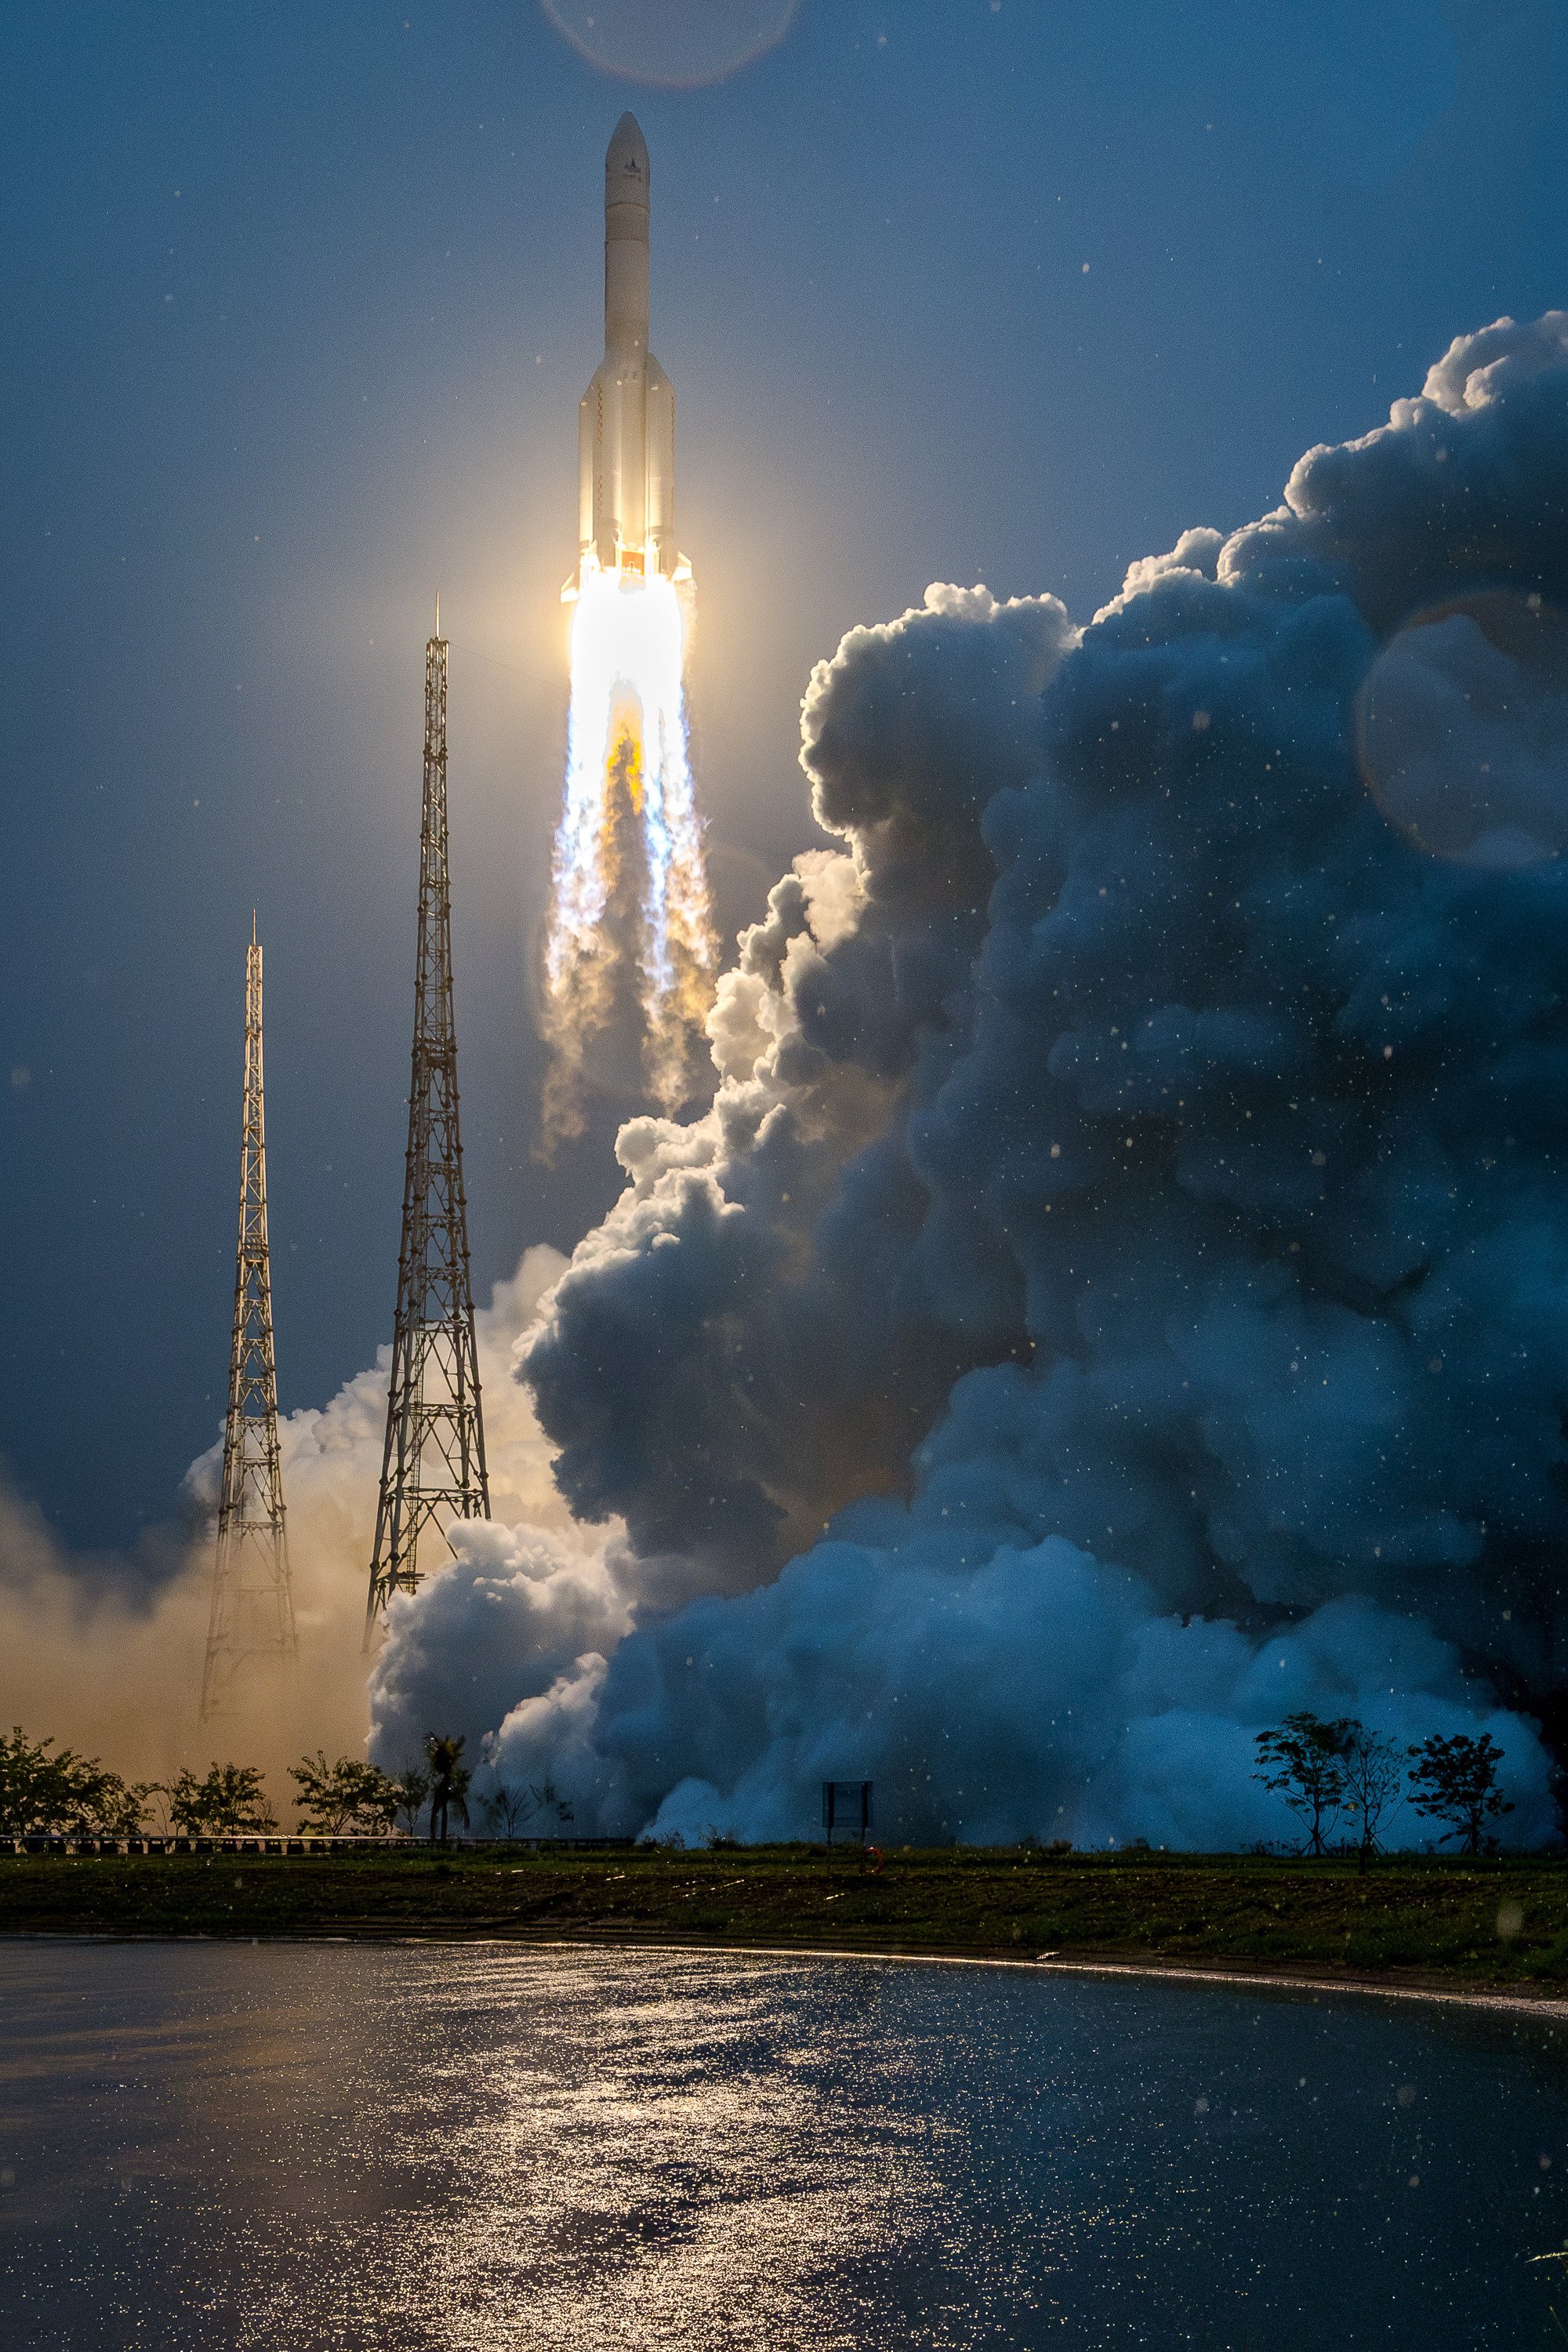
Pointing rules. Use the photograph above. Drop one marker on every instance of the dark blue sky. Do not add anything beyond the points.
(299, 303)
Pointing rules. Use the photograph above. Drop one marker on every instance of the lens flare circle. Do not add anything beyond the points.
(674, 44)
(1462, 730)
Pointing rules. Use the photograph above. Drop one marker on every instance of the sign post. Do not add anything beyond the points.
(847, 1805)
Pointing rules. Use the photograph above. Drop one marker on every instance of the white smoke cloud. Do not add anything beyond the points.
(1119, 1291)
(1134, 1152)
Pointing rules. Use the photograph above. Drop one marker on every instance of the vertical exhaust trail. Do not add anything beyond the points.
(628, 847)
(630, 924)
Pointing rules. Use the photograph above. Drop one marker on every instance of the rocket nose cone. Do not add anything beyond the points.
(625, 165)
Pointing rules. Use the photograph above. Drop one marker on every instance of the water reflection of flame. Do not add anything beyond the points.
(449, 2148)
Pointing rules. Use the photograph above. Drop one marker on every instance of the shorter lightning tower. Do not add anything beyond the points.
(252, 1609)
(432, 1468)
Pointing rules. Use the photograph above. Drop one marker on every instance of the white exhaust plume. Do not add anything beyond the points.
(629, 832)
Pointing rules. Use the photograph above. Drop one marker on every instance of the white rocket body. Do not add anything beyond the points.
(626, 422)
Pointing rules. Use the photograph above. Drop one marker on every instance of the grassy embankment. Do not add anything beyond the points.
(1483, 1923)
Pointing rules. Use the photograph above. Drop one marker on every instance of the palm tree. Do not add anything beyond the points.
(450, 1778)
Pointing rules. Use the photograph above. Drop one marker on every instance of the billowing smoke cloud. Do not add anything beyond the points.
(1120, 1288)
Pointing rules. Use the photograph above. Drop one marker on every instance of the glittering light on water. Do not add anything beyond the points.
(658, 2151)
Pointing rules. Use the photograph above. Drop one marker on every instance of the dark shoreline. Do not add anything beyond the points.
(1413, 1924)
(1525, 1996)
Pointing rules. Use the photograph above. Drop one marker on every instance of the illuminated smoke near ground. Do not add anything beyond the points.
(628, 848)
(107, 1656)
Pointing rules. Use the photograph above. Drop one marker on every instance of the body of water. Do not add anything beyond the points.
(459, 2147)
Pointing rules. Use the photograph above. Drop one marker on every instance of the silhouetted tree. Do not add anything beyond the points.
(346, 1795)
(1455, 1781)
(52, 1793)
(1374, 1769)
(508, 1807)
(156, 1797)
(450, 1778)
(412, 1788)
(1303, 1761)
(548, 1801)
(230, 1801)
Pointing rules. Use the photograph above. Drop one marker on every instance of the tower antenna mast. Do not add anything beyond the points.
(433, 1467)
(252, 1618)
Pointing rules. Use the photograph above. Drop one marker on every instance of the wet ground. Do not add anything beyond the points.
(422, 2147)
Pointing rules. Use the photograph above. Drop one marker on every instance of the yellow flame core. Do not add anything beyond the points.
(629, 792)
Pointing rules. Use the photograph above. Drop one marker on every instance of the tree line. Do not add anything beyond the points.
(51, 1791)
(1328, 1772)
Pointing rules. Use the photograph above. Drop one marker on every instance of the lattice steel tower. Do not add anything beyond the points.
(432, 1468)
(253, 1608)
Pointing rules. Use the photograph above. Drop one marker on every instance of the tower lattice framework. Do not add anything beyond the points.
(252, 1616)
(432, 1468)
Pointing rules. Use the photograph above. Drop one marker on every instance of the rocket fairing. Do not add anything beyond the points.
(626, 422)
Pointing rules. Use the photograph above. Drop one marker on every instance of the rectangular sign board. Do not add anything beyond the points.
(845, 1805)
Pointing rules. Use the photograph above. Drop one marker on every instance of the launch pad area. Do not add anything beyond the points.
(1410, 1921)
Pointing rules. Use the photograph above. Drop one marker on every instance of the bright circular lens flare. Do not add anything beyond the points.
(679, 44)
(1462, 729)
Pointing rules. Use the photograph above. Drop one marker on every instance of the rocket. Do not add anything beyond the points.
(626, 422)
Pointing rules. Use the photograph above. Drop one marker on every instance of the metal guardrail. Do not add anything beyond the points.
(281, 1842)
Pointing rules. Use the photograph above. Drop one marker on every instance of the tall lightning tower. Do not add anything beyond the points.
(252, 1607)
(432, 1468)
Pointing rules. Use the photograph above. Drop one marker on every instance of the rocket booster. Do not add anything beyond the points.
(626, 422)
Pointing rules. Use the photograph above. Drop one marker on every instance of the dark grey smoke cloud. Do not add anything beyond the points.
(1132, 1212)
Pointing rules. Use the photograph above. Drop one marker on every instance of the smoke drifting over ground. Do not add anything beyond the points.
(120, 1675)
(111, 1663)
(1133, 1215)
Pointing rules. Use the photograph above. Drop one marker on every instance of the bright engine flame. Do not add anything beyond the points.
(629, 795)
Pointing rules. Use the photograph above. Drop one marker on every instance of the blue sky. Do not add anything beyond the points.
(299, 304)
